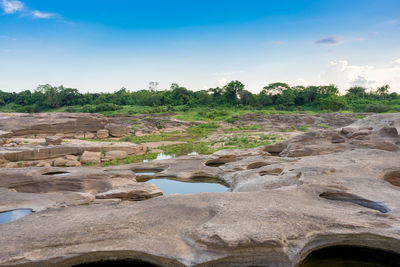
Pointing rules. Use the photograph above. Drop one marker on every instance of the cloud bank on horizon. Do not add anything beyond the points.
(95, 46)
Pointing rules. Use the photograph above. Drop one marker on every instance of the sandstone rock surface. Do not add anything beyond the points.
(91, 157)
(102, 133)
(316, 194)
(138, 191)
(116, 130)
(53, 140)
(50, 123)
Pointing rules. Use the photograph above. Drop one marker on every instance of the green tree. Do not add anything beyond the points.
(231, 92)
(383, 90)
(356, 92)
(334, 102)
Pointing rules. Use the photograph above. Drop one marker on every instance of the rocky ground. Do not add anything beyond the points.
(326, 180)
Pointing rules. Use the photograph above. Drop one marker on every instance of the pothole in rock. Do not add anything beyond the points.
(275, 171)
(256, 165)
(121, 263)
(341, 196)
(173, 185)
(12, 215)
(220, 161)
(214, 163)
(393, 177)
(60, 173)
(343, 256)
(275, 154)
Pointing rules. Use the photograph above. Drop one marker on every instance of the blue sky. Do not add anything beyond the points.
(104, 45)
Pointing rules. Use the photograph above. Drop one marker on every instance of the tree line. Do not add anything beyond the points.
(278, 95)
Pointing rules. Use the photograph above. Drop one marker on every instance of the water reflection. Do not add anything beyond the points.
(161, 156)
(171, 186)
(12, 215)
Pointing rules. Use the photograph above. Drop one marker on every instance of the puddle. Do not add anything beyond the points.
(339, 196)
(57, 173)
(196, 185)
(12, 215)
(161, 156)
(145, 173)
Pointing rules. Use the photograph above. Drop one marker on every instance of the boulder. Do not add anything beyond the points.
(5, 134)
(102, 133)
(388, 132)
(67, 161)
(89, 135)
(116, 130)
(90, 157)
(116, 154)
(53, 140)
(43, 164)
(336, 138)
(79, 135)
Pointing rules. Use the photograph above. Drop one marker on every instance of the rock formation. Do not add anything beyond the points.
(324, 189)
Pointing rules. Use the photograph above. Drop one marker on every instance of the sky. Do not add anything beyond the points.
(103, 45)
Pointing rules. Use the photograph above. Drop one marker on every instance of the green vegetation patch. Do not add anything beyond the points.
(243, 128)
(131, 159)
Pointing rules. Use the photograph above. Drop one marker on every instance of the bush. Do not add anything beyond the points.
(334, 102)
(107, 107)
(377, 108)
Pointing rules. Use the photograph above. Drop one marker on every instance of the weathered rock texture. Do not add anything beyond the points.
(39, 152)
(328, 188)
(51, 123)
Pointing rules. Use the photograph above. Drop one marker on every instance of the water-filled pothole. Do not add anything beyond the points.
(59, 173)
(171, 185)
(12, 215)
(346, 256)
(161, 156)
(121, 263)
(341, 196)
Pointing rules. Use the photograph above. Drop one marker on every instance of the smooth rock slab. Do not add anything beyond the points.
(139, 191)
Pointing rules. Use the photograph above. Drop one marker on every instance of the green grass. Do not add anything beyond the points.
(194, 133)
(150, 138)
(359, 117)
(243, 128)
(323, 126)
(130, 159)
(290, 129)
(184, 149)
(249, 141)
(302, 128)
(228, 114)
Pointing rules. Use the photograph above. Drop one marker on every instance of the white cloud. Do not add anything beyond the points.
(345, 75)
(14, 6)
(11, 6)
(222, 82)
(42, 15)
(228, 73)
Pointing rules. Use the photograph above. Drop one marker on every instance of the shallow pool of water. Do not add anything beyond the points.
(60, 173)
(171, 186)
(12, 215)
(161, 156)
